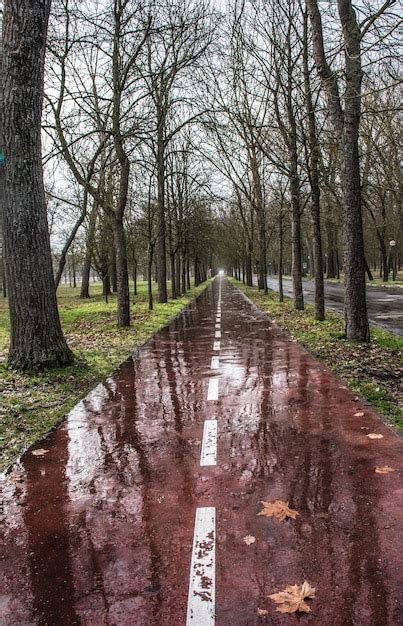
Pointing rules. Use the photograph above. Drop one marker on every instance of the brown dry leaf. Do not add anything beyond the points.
(262, 612)
(39, 452)
(359, 414)
(374, 436)
(292, 599)
(249, 539)
(278, 509)
(385, 469)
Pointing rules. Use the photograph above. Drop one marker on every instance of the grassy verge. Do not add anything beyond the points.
(373, 370)
(32, 402)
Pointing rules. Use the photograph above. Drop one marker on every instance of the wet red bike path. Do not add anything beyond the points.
(99, 530)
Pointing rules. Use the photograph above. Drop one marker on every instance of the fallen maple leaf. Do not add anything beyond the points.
(278, 509)
(249, 539)
(385, 469)
(359, 414)
(262, 612)
(374, 436)
(292, 599)
(39, 452)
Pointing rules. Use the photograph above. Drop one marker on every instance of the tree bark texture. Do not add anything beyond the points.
(36, 335)
(122, 274)
(89, 251)
(296, 233)
(346, 125)
(355, 313)
(314, 185)
(162, 262)
(280, 259)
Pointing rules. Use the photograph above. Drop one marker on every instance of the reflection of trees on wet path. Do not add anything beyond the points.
(365, 574)
(45, 515)
(183, 449)
(319, 487)
(132, 437)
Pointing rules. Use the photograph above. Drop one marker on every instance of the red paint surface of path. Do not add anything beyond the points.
(100, 529)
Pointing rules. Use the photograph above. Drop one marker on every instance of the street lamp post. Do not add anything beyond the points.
(392, 258)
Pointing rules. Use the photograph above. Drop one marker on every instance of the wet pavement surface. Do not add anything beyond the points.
(385, 304)
(99, 529)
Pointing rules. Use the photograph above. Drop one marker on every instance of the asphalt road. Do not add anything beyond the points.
(144, 506)
(385, 304)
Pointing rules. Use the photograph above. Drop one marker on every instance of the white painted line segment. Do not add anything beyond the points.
(201, 598)
(216, 345)
(218, 326)
(212, 393)
(215, 363)
(217, 334)
(208, 454)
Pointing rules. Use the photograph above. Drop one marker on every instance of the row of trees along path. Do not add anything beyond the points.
(144, 96)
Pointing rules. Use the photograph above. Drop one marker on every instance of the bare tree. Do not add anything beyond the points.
(36, 335)
(180, 37)
(118, 35)
(346, 126)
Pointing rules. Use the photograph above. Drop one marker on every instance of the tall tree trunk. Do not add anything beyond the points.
(188, 286)
(73, 270)
(135, 276)
(3, 271)
(261, 218)
(346, 124)
(36, 334)
(150, 279)
(296, 234)
(113, 273)
(106, 286)
(355, 314)
(384, 262)
(178, 273)
(2, 187)
(89, 245)
(122, 275)
(173, 275)
(162, 262)
(280, 259)
(2, 182)
(85, 279)
(183, 271)
(314, 184)
(331, 268)
(248, 267)
(368, 271)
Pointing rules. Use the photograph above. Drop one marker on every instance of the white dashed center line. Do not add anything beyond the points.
(216, 346)
(201, 598)
(215, 363)
(212, 393)
(208, 454)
